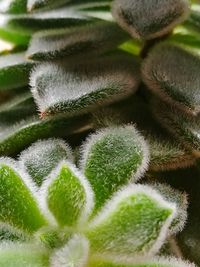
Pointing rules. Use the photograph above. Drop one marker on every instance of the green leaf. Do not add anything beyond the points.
(13, 6)
(149, 19)
(18, 38)
(55, 19)
(19, 107)
(9, 233)
(68, 196)
(181, 200)
(167, 154)
(175, 79)
(18, 206)
(15, 138)
(183, 128)
(14, 71)
(112, 158)
(143, 262)
(33, 5)
(18, 255)
(91, 39)
(136, 221)
(42, 157)
(59, 87)
(74, 253)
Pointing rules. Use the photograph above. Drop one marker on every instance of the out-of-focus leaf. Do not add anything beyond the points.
(14, 71)
(172, 73)
(149, 19)
(88, 39)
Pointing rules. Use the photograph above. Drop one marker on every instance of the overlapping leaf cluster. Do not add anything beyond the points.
(78, 67)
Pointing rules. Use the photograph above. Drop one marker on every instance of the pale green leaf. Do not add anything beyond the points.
(112, 158)
(68, 195)
(18, 255)
(18, 205)
(74, 253)
(134, 222)
(42, 157)
(148, 19)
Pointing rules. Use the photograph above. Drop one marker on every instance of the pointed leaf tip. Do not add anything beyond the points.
(68, 195)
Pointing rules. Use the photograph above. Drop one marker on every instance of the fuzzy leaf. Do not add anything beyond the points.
(17, 137)
(178, 197)
(19, 107)
(9, 233)
(17, 255)
(148, 19)
(33, 5)
(18, 207)
(54, 19)
(64, 88)
(175, 79)
(13, 6)
(134, 222)
(42, 157)
(74, 253)
(112, 158)
(68, 195)
(91, 38)
(185, 129)
(146, 262)
(14, 71)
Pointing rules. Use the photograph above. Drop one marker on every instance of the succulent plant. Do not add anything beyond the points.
(99, 133)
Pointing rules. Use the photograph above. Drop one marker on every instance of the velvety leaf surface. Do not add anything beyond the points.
(14, 71)
(74, 253)
(92, 38)
(38, 4)
(18, 206)
(75, 89)
(112, 158)
(42, 157)
(19, 107)
(54, 19)
(186, 129)
(134, 222)
(68, 195)
(16, 255)
(148, 19)
(181, 200)
(16, 138)
(174, 79)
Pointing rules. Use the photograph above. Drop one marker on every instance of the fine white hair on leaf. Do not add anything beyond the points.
(89, 197)
(180, 198)
(9, 232)
(33, 5)
(43, 156)
(117, 261)
(175, 79)
(148, 19)
(114, 243)
(75, 253)
(74, 89)
(88, 39)
(113, 157)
